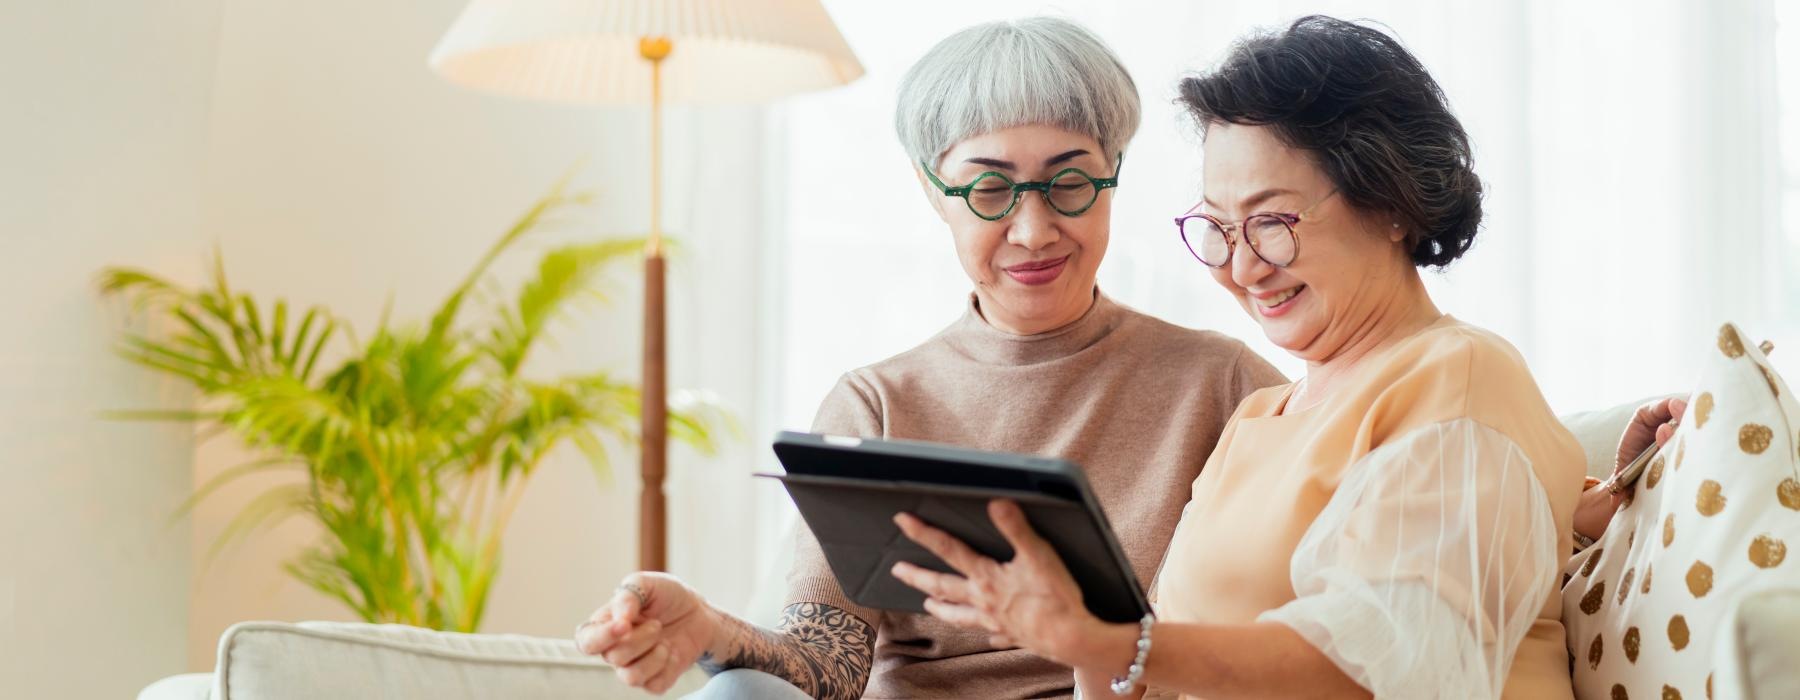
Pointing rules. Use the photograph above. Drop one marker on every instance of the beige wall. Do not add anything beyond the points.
(310, 143)
(103, 136)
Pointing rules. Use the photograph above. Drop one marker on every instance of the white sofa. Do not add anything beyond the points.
(281, 661)
(309, 660)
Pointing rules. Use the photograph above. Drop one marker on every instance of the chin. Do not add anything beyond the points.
(1291, 334)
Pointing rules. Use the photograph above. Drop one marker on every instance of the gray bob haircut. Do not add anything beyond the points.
(999, 75)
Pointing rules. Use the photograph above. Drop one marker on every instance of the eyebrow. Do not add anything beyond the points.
(1009, 165)
(1253, 200)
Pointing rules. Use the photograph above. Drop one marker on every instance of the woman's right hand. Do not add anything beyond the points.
(652, 631)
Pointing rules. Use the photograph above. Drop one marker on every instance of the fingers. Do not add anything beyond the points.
(671, 672)
(1668, 413)
(959, 615)
(1010, 519)
(1675, 408)
(601, 616)
(646, 668)
(958, 555)
(600, 632)
(1653, 413)
(634, 645)
(1645, 429)
(617, 618)
(629, 601)
(1001, 641)
(934, 584)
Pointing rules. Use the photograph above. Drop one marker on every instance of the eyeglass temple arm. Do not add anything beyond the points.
(1102, 183)
(946, 189)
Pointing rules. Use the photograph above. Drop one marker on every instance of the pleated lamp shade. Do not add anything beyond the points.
(587, 50)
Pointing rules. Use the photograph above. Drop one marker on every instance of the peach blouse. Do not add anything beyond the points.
(1409, 526)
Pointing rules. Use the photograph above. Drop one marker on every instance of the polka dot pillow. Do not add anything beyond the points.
(1709, 521)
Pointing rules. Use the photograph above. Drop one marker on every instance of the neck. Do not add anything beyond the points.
(997, 316)
(1407, 312)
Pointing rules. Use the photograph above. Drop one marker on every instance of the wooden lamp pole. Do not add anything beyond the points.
(555, 49)
(652, 503)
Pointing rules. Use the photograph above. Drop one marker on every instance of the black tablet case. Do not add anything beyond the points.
(849, 489)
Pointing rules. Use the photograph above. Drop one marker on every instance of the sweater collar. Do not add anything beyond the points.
(982, 342)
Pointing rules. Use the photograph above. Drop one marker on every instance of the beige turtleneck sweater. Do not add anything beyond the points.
(1137, 402)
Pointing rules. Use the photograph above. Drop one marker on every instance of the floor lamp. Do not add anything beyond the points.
(647, 51)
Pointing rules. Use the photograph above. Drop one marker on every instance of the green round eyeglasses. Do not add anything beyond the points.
(993, 195)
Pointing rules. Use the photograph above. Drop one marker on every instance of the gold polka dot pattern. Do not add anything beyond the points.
(1700, 579)
(1788, 493)
(1754, 439)
(1595, 598)
(1730, 343)
(1592, 561)
(1711, 499)
(1767, 552)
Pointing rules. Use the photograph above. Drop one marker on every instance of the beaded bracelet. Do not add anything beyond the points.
(1123, 685)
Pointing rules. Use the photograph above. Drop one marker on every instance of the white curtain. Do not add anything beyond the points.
(1630, 150)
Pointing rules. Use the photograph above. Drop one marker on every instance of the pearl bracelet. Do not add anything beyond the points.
(1127, 683)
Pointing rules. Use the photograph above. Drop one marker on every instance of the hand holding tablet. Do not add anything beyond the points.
(850, 492)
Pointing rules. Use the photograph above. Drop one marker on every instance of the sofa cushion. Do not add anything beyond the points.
(1708, 523)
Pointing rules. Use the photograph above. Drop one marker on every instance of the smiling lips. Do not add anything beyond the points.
(1276, 303)
(1038, 271)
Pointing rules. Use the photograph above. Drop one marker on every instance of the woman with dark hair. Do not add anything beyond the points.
(1394, 522)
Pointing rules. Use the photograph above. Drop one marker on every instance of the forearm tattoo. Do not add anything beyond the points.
(822, 650)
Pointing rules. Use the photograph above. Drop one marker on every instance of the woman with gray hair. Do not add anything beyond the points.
(1017, 132)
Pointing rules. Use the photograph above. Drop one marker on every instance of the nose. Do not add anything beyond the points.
(1034, 224)
(1248, 268)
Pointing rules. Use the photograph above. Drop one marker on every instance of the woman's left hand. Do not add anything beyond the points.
(1653, 422)
(1031, 601)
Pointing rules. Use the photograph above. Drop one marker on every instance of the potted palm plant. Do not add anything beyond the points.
(411, 449)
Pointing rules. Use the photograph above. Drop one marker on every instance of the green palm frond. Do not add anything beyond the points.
(410, 448)
(557, 198)
(563, 276)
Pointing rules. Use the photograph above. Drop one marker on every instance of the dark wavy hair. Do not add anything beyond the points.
(1376, 122)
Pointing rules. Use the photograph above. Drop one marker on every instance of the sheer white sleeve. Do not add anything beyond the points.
(1424, 572)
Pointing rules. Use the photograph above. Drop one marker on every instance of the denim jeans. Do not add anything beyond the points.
(745, 684)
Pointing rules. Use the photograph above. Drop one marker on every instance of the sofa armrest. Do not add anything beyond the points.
(278, 661)
(187, 686)
(1757, 645)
